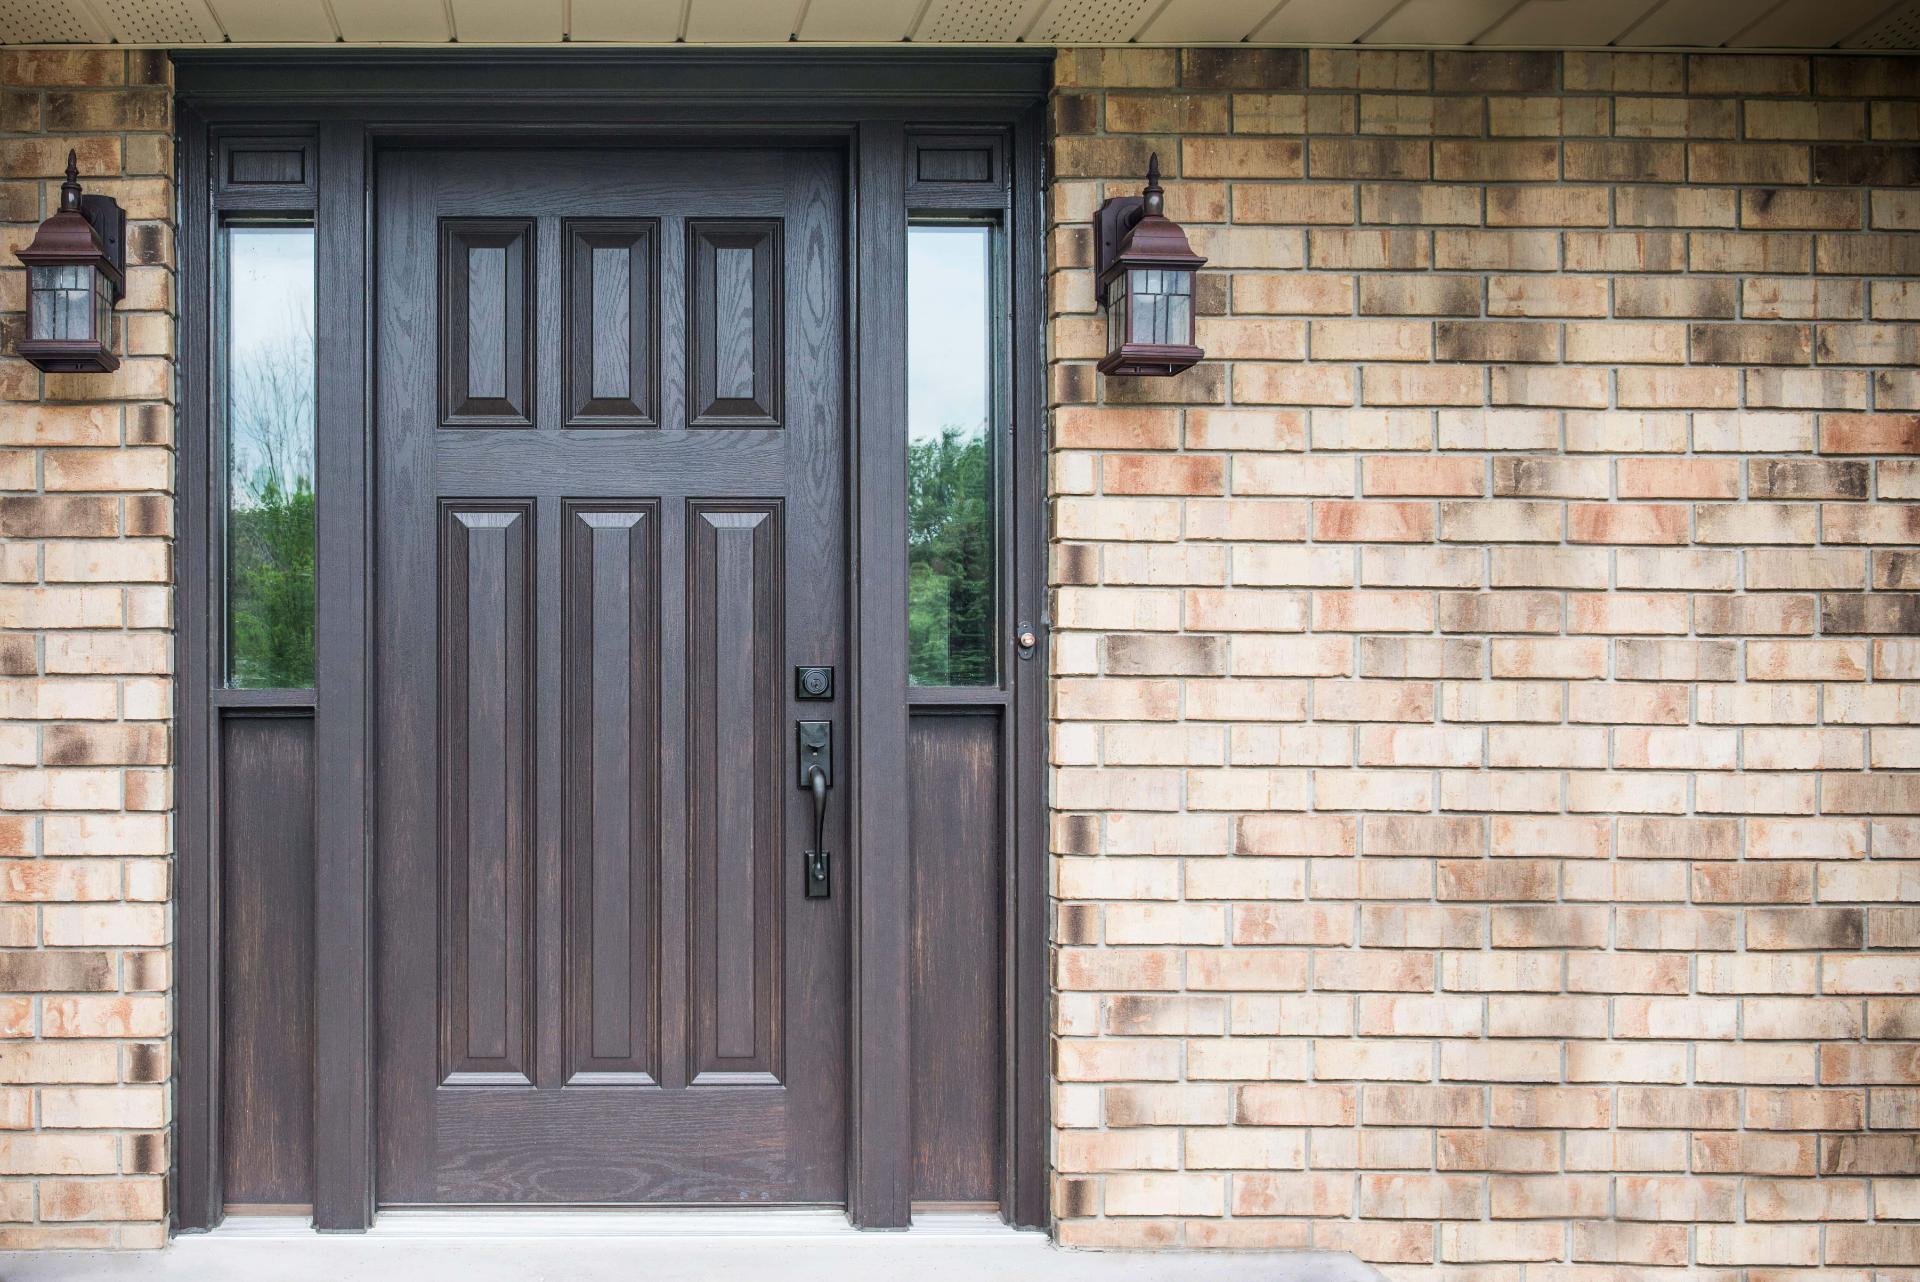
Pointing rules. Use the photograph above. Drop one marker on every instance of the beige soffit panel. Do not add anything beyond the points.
(1811, 23)
(1184, 21)
(1898, 28)
(737, 21)
(1440, 22)
(859, 20)
(283, 22)
(1091, 21)
(508, 21)
(159, 22)
(1539, 23)
(1322, 22)
(653, 22)
(48, 22)
(977, 21)
(1690, 22)
(377, 21)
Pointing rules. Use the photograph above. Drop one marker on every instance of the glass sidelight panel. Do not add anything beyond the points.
(269, 291)
(950, 455)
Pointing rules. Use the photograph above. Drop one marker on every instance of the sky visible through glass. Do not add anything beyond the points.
(948, 369)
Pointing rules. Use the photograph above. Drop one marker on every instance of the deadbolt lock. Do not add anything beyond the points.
(812, 683)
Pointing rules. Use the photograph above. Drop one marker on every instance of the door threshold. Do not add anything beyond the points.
(494, 1223)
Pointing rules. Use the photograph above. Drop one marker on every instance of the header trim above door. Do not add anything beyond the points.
(830, 84)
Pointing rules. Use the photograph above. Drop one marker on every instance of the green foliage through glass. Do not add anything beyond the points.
(270, 423)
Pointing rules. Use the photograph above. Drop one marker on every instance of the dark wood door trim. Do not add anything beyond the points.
(359, 104)
(879, 1193)
(343, 656)
(196, 1193)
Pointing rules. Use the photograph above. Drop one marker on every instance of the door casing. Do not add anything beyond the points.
(881, 108)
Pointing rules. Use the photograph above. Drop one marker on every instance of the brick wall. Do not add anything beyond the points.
(85, 519)
(1484, 822)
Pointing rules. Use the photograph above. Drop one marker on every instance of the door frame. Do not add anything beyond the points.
(882, 108)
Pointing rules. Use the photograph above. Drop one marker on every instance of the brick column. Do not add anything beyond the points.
(86, 515)
(1483, 730)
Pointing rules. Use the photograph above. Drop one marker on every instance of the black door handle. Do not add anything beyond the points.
(817, 784)
(816, 763)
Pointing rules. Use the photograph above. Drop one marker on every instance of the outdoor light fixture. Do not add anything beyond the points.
(1146, 284)
(75, 274)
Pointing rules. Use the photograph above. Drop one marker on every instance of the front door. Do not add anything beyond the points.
(610, 523)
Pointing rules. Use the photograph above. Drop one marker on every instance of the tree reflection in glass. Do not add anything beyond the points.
(270, 439)
(950, 484)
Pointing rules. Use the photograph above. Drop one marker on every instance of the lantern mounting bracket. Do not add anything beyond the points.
(109, 223)
(1117, 216)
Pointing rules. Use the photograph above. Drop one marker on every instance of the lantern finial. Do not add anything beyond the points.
(1155, 200)
(70, 189)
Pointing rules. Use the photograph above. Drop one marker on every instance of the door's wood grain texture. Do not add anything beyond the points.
(344, 693)
(882, 1192)
(954, 817)
(735, 321)
(735, 751)
(266, 1033)
(612, 358)
(612, 741)
(486, 349)
(486, 818)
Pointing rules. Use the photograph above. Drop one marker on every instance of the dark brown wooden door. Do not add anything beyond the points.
(609, 521)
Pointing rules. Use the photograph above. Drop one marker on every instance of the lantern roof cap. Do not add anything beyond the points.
(68, 236)
(1154, 240)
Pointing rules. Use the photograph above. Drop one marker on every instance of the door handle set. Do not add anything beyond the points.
(815, 740)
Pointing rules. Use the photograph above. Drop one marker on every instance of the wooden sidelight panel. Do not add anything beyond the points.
(734, 314)
(487, 795)
(955, 812)
(612, 357)
(735, 789)
(612, 818)
(486, 353)
(266, 844)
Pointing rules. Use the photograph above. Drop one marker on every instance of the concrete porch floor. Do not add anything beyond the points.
(792, 1246)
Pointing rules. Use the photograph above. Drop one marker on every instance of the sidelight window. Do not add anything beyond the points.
(269, 446)
(951, 463)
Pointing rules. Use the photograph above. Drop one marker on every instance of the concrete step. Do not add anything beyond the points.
(695, 1246)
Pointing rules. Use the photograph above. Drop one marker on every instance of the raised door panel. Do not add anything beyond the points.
(612, 358)
(735, 340)
(612, 817)
(486, 303)
(486, 755)
(735, 753)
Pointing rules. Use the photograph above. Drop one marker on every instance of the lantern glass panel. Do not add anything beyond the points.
(1117, 313)
(1162, 306)
(61, 302)
(103, 308)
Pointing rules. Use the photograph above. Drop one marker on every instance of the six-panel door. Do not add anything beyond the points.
(609, 521)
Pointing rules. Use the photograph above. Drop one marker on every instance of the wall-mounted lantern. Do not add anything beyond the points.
(1145, 282)
(76, 272)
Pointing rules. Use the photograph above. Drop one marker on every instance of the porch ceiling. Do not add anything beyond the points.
(1748, 24)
